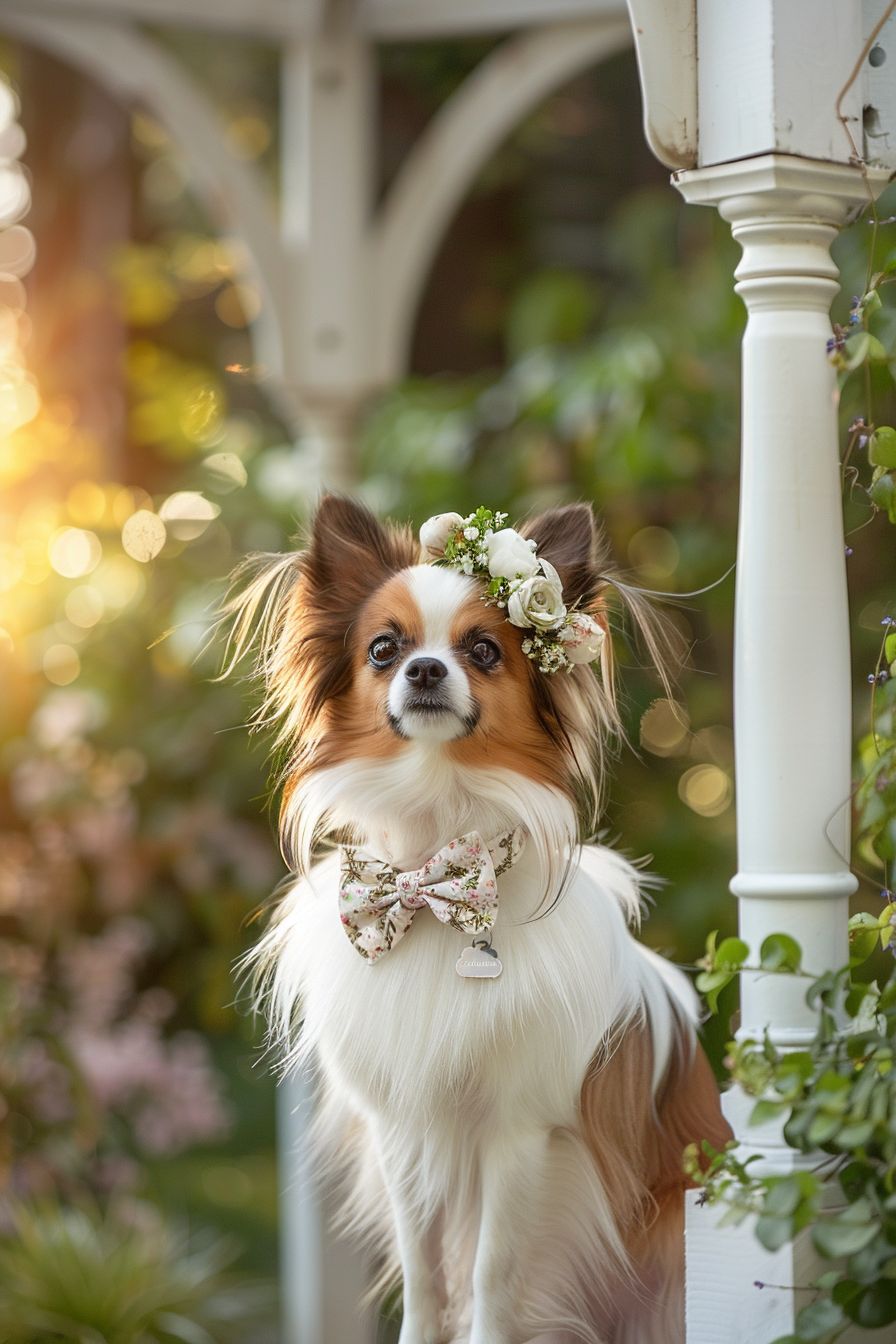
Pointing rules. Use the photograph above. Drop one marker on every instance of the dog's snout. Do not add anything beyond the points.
(423, 673)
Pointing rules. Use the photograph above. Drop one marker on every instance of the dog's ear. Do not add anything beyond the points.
(568, 537)
(349, 554)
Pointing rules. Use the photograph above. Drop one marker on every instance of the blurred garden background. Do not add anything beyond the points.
(578, 339)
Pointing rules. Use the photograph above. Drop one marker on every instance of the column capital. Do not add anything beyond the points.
(795, 186)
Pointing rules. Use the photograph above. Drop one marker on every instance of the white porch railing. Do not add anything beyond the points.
(740, 100)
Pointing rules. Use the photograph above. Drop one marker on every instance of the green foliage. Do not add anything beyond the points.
(74, 1275)
(837, 1097)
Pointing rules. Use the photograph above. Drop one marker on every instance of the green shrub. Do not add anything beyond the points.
(74, 1274)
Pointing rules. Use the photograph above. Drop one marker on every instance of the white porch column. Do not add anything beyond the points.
(792, 673)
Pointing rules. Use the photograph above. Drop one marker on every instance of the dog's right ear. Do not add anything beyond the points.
(349, 554)
(294, 611)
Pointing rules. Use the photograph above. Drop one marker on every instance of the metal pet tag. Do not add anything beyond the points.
(479, 962)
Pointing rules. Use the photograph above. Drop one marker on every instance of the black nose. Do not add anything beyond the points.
(425, 672)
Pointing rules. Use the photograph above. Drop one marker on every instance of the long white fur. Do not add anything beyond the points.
(450, 1104)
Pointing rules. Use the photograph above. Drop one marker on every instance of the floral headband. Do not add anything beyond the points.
(528, 587)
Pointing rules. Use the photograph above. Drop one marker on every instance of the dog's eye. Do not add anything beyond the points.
(485, 653)
(383, 651)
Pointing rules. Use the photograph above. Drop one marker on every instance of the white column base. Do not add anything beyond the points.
(723, 1304)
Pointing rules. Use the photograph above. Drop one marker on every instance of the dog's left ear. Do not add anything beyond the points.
(568, 537)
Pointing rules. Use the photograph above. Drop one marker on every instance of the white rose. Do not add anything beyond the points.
(537, 602)
(582, 638)
(510, 556)
(436, 530)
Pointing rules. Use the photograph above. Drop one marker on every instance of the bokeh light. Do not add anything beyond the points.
(143, 535)
(664, 727)
(654, 553)
(74, 552)
(84, 606)
(61, 664)
(186, 514)
(706, 790)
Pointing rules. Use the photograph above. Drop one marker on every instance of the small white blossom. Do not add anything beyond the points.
(471, 533)
(436, 530)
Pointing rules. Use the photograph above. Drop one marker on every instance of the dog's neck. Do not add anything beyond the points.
(405, 809)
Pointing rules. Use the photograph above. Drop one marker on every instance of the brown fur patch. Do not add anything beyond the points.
(638, 1141)
(357, 722)
(512, 732)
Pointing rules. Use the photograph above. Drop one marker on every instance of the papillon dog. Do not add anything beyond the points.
(508, 1077)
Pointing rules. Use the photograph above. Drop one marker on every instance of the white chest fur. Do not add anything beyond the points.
(407, 1036)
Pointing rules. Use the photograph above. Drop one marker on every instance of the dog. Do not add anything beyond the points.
(507, 1077)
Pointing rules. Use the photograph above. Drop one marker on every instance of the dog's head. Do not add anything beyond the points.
(368, 652)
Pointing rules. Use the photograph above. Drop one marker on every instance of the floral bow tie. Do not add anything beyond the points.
(377, 903)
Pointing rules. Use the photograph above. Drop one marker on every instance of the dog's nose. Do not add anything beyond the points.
(425, 672)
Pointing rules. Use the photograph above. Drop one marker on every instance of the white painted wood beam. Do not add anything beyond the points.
(327, 128)
(383, 20)
(262, 18)
(445, 160)
(408, 20)
(769, 75)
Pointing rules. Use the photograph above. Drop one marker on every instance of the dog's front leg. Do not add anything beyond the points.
(418, 1241)
(513, 1176)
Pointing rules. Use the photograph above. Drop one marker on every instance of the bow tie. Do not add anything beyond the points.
(377, 903)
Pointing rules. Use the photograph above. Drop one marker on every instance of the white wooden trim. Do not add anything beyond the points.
(769, 76)
(666, 46)
(381, 20)
(447, 157)
(265, 19)
(416, 19)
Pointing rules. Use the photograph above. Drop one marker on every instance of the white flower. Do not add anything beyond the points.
(582, 638)
(537, 602)
(471, 533)
(436, 530)
(509, 556)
